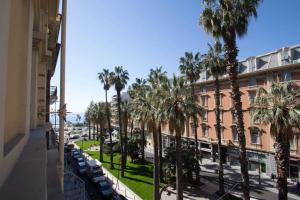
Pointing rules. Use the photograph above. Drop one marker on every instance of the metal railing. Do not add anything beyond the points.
(74, 187)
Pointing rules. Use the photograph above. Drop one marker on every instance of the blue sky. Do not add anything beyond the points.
(140, 35)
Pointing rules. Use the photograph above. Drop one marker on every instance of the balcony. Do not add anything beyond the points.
(36, 166)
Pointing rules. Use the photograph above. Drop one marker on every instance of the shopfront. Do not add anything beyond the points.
(294, 172)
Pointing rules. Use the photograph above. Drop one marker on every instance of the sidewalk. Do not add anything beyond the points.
(233, 173)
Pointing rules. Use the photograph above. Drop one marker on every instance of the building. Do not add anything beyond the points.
(258, 71)
(28, 55)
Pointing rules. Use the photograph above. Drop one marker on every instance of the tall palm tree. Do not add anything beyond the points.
(120, 78)
(105, 78)
(126, 115)
(159, 82)
(277, 107)
(190, 65)
(101, 120)
(178, 108)
(87, 116)
(229, 19)
(214, 63)
(138, 94)
(94, 119)
(146, 101)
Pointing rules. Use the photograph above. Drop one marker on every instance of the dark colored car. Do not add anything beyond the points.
(105, 189)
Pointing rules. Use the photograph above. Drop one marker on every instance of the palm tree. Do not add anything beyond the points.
(228, 19)
(138, 94)
(94, 118)
(145, 100)
(120, 78)
(178, 108)
(126, 114)
(88, 117)
(101, 120)
(214, 63)
(277, 107)
(105, 78)
(191, 67)
(159, 82)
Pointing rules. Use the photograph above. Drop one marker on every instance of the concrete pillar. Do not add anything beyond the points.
(62, 91)
(4, 38)
(33, 100)
(27, 98)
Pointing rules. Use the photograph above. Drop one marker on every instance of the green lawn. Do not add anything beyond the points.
(138, 177)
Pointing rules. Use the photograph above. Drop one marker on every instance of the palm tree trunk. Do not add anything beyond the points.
(125, 140)
(282, 154)
(197, 153)
(218, 130)
(89, 121)
(101, 141)
(109, 131)
(160, 152)
(94, 130)
(120, 133)
(230, 56)
(97, 131)
(179, 184)
(143, 141)
(156, 165)
(131, 128)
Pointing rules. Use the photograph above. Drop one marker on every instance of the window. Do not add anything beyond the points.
(193, 129)
(255, 138)
(252, 81)
(204, 100)
(286, 76)
(252, 65)
(252, 95)
(235, 136)
(203, 89)
(285, 58)
(205, 131)
(293, 142)
(204, 117)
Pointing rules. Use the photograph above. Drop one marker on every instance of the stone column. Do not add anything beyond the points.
(4, 38)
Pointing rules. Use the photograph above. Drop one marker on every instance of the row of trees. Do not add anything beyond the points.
(158, 101)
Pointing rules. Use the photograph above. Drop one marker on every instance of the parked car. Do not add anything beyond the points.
(105, 189)
(70, 147)
(76, 154)
(85, 135)
(81, 167)
(94, 170)
(75, 136)
(80, 159)
(119, 197)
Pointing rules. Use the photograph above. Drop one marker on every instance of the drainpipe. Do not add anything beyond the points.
(62, 106)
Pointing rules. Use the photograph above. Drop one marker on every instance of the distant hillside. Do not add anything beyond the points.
(71, 117)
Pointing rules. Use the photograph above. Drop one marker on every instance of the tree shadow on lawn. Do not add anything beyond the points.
(137, 180)
(140, 170)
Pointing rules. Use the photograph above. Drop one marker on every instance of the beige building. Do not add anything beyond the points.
(28, 55)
